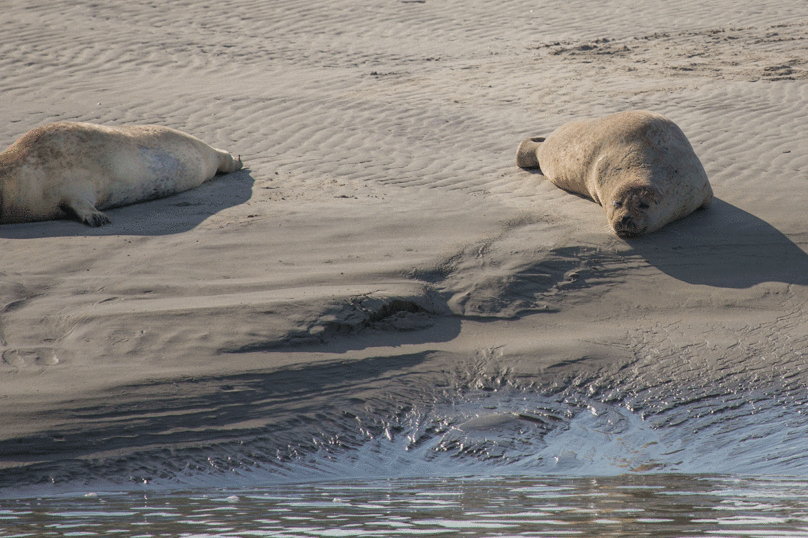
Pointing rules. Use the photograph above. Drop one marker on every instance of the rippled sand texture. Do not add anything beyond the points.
(382, 250)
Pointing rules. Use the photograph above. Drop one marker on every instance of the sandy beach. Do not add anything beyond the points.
(381, 249)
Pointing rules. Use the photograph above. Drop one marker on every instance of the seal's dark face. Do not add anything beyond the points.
(629, 211)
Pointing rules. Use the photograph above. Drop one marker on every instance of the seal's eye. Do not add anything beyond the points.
(617, 203)
(643, 205)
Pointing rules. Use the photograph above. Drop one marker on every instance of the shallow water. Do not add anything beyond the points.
(624, 505)
(486, 463)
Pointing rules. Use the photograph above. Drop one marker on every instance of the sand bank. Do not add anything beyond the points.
(381, 245)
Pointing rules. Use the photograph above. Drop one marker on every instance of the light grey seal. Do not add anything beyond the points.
(79, 169)
(638, 165)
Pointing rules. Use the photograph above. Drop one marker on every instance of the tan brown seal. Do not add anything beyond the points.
(79, 169)
(638, 165)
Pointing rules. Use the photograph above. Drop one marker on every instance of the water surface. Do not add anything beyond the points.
(625, 505)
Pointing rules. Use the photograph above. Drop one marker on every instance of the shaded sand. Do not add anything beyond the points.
(381, 249)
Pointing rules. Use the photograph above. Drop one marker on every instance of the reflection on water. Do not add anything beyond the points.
(624, 505)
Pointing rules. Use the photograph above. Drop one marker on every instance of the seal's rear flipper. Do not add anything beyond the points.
(527, 156)
(228, 163)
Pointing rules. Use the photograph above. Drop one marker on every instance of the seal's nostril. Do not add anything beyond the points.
(626, 220)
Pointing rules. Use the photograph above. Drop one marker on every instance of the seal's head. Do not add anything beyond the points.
(630, 211)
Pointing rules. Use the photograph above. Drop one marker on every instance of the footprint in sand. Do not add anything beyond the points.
(30, 357)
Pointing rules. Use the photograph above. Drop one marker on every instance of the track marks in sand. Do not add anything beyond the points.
(23, 358)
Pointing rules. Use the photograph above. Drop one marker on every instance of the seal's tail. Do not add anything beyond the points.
(527, 156)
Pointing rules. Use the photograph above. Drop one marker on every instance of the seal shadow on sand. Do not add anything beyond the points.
(163, 216)
(722, 246)
(726, 247)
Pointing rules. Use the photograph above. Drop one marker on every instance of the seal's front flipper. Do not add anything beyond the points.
(96, 218)
(84, 211)
(527, 156)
